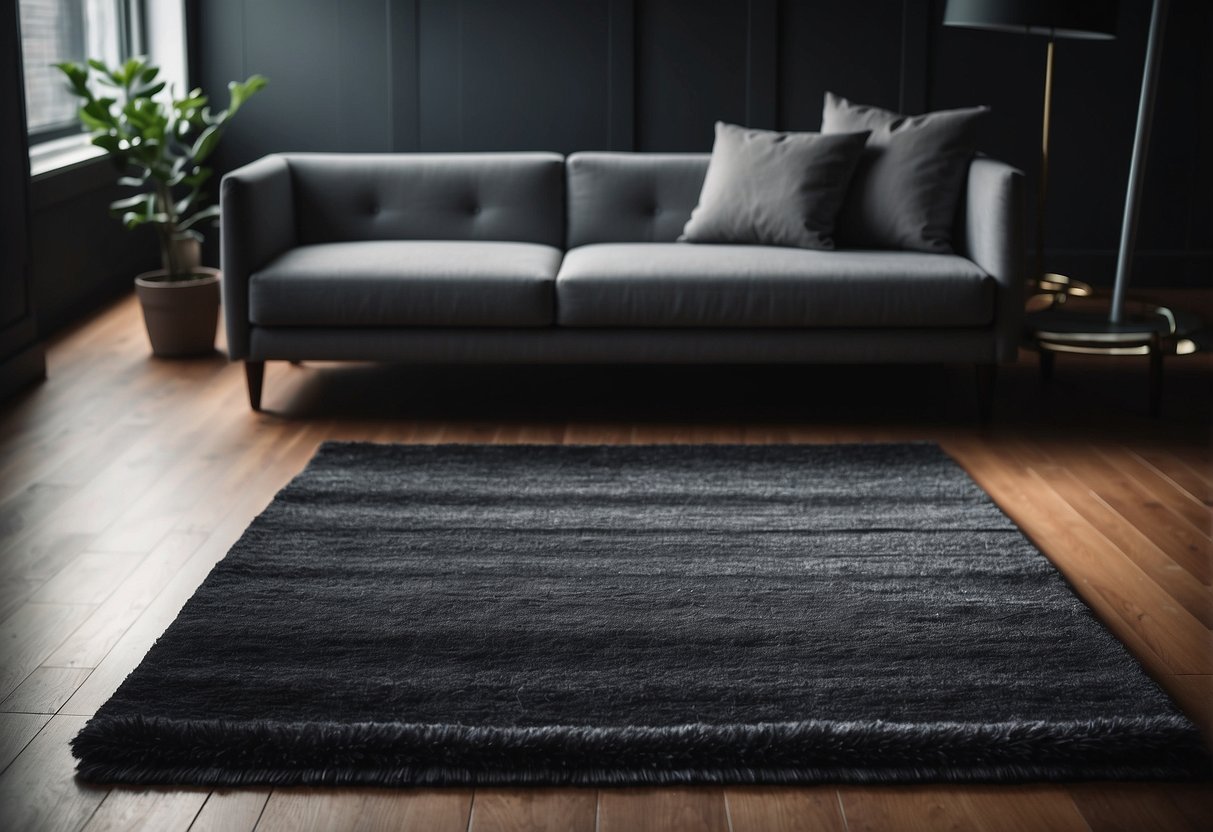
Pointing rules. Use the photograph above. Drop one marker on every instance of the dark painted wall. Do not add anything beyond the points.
(81, 256)
(21, 360)
(398, 75)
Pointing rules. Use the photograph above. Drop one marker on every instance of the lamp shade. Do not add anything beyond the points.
(1088, 19)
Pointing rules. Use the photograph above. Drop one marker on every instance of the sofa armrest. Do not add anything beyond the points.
(993, 238)
(257, 223)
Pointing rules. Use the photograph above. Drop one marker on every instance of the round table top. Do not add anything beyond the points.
(1086, 323)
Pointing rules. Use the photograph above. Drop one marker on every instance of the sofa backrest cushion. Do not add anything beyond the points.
(631, 197)
(343, 197)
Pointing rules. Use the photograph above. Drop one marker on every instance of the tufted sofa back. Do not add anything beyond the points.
(631, 197)
(340, 197)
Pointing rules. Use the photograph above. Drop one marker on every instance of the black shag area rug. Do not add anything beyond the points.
(631, 615)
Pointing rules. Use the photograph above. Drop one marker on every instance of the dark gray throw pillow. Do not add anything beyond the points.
(907, 185)
(777, 189)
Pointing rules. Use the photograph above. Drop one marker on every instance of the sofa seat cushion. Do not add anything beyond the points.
(407, 283)
(684, 285)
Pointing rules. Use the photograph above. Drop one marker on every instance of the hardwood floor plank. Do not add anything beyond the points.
(31, 634)
(1130, 807)
(93, 639)
(1108, 581)
(597, 433)
(1189, 477)
(234, 810)
(669, 809)
(367, 810)
(88, 579)
(271, 466)
(1194, 694)
(248, 454)
(39, 790)
(145, 522)
(784, 809)
(1189, 547)
(1160, 487)
(534, 810)
(45, 690)
(1194, 596)
(1194, 800)
(26, 569)
(16, 731)
(524, 434)
(139, 466)
(150, 810)
(134, 643)
(979, 808)
(904, 809)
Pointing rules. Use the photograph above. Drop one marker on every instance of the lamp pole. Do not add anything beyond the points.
(1043, 190)
(1137, 168)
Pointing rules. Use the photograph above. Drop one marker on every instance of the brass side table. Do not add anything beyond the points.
(1058, 323)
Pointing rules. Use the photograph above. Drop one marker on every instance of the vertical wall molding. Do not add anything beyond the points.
(21, 355)
(915, 56)
(404, 55)
(621, 75)
(762, 64)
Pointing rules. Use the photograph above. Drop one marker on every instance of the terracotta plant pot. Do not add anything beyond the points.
(181, 315)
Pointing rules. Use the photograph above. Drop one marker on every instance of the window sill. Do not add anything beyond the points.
(54, 156)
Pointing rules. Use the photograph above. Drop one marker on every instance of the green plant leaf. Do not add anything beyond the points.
(130, 69)
(206, 143)
(242, 92)
(110, 143)
(147, 91)
(96, 115)
(77, 78)
(198, 178)
(154, 140)
(130, 202)
(134, 219)
(92, 123)
(210, 213)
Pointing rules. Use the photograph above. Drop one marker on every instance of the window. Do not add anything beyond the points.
(69, 30)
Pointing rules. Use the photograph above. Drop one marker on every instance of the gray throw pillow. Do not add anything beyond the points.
(777, 189)
(907, 185)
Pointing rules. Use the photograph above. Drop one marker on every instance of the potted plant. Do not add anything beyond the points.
(160, 145)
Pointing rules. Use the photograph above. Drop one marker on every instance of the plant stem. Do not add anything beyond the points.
(167, 230)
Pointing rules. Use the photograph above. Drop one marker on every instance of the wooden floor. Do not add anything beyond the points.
(123, 479)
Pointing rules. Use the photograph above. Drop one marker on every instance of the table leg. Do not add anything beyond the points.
(1046, 365)
(1155, 376)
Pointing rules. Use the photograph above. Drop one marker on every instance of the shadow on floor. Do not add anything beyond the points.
(1087, 396)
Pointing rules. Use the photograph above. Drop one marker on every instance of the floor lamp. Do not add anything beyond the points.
(1084, 19)
(1153, 330)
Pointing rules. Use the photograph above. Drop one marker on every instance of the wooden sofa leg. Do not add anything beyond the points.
(254, 372)
(986, 375)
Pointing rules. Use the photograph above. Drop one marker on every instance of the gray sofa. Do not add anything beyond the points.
(538, 258)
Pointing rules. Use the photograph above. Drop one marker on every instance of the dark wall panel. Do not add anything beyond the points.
(21, 358)
(330, 70)
(853, 49)
(514, 76)
(100, 259)
(691, 61)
